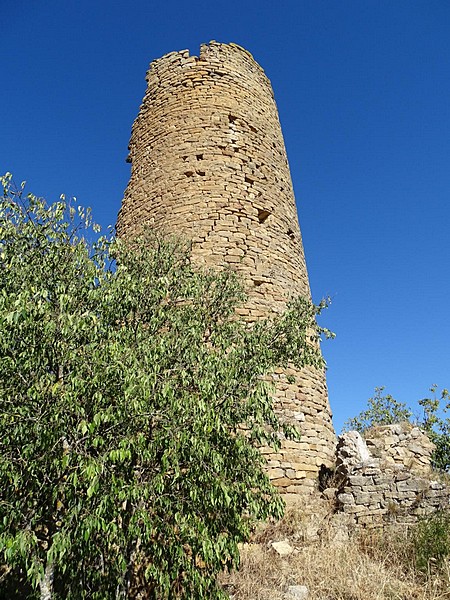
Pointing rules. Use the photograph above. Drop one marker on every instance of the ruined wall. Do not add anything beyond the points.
(209, 162)
(401, 444)
(373, 491)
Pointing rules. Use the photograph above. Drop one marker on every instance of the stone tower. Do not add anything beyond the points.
(209, 163)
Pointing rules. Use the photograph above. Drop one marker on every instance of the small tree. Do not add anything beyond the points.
(381, 410)
(437, 426)
(132, 401)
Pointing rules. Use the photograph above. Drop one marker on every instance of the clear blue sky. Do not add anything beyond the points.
(363, 91)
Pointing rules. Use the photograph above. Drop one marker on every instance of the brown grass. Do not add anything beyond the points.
(370, 566)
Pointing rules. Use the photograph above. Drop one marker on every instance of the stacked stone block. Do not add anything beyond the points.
(401, 444)
(374, 497)
(374, 491)
(209, 163)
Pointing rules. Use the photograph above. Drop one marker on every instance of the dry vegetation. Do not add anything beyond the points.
(371, 566)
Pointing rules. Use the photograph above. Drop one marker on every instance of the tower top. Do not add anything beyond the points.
(209, 53)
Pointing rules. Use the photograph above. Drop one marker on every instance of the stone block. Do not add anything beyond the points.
(297, 592)
(346, 498)
(282, 548)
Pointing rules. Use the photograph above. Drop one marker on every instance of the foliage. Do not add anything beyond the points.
(132, 401)
(385, 410)
(382, 410)
(431, 541)
(437, 427)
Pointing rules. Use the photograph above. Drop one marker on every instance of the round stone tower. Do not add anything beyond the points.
(209, 163)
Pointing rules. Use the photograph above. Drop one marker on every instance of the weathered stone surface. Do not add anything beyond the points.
(384, 491)
(330, 493)
(282, 548)
(346, 498)
(401, 444)
(208, 162)
(352, 451)
(297, 592)
(358, 480)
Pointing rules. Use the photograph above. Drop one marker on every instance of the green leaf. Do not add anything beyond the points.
(126, 379)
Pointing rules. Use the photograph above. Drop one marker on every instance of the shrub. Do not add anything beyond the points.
(382, 410)
(431, 540)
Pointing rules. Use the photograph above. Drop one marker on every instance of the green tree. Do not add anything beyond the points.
(381, 410)
(437, 425)
(132, 402)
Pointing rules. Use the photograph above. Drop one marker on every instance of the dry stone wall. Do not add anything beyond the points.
(208, 162)
(401, 444)
(375, 491)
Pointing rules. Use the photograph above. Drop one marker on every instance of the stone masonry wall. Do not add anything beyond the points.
(373, 492)
(401, 444)
(208, 162)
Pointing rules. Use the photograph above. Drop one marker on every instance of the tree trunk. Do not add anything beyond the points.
(46, 583)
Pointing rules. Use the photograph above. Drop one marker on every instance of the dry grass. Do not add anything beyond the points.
(376, 566)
